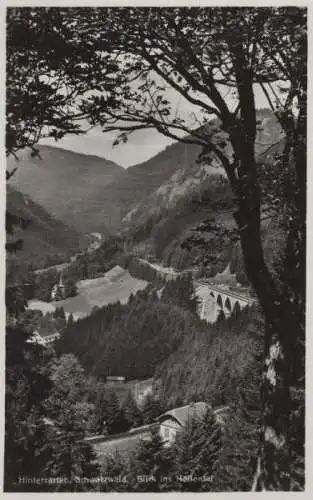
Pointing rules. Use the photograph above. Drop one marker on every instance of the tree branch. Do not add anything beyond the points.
(177, 87)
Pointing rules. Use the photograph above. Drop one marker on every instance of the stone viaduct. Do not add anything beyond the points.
(213, 299)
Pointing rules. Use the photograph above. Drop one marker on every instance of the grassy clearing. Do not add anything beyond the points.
(97, 292)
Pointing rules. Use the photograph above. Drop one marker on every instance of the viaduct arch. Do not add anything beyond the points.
(213, 299)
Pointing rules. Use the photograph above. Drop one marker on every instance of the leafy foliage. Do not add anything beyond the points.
(49, 90)
(115, 466)
(44, 427)
(27, 385)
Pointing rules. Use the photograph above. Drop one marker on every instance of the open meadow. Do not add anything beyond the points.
(116, 285)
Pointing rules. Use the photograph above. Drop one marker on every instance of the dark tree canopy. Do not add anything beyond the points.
(51, 64)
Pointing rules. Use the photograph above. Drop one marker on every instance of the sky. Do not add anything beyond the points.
(142, 144)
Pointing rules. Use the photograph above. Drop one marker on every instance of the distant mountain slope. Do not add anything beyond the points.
(188, 182)
(69, 186)
(185, 233)
(141, 180)
(45, 239)
(92, 194)
(178, 211)
(195, 203)
(144, 178)
(174, 174)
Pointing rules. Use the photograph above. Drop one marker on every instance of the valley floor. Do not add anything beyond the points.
(98, 292)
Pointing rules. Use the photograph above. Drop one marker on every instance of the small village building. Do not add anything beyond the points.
(169, 424)
(113, 380)
(58, 288)
(141, 389)
(173, 421)
(45, 335)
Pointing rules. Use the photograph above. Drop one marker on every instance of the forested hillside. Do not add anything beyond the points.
(157, 206)
(212, 365)
(222, 367)
(132, 340)
(45, 240)
(68, 185)
(146, 178)
(191, 360)
(169, 234)
(188, 221)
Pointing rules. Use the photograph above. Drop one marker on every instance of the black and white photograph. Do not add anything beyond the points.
(155, 248)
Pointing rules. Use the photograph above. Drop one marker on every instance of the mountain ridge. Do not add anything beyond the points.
(190, 221)
(45, 239)
(124, 199)
(65, 184)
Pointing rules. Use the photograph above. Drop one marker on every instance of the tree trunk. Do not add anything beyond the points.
(279, 342)
(281, 328)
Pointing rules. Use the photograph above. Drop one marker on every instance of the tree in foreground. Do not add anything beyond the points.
(151, 408)
(45, 426)
(26, 387)
(116, 468)
(69, 456)
(181, 292)
(197, 53)
(131, 411)
(196, 452)
(116, 419)
(151, 464)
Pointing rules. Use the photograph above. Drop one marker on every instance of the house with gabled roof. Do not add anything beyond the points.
(222, 415)
(45, 335)
(169, 424)
(173, 421)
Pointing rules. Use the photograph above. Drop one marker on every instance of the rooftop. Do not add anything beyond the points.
(113, 378)
(184, 413)
(47, 330)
